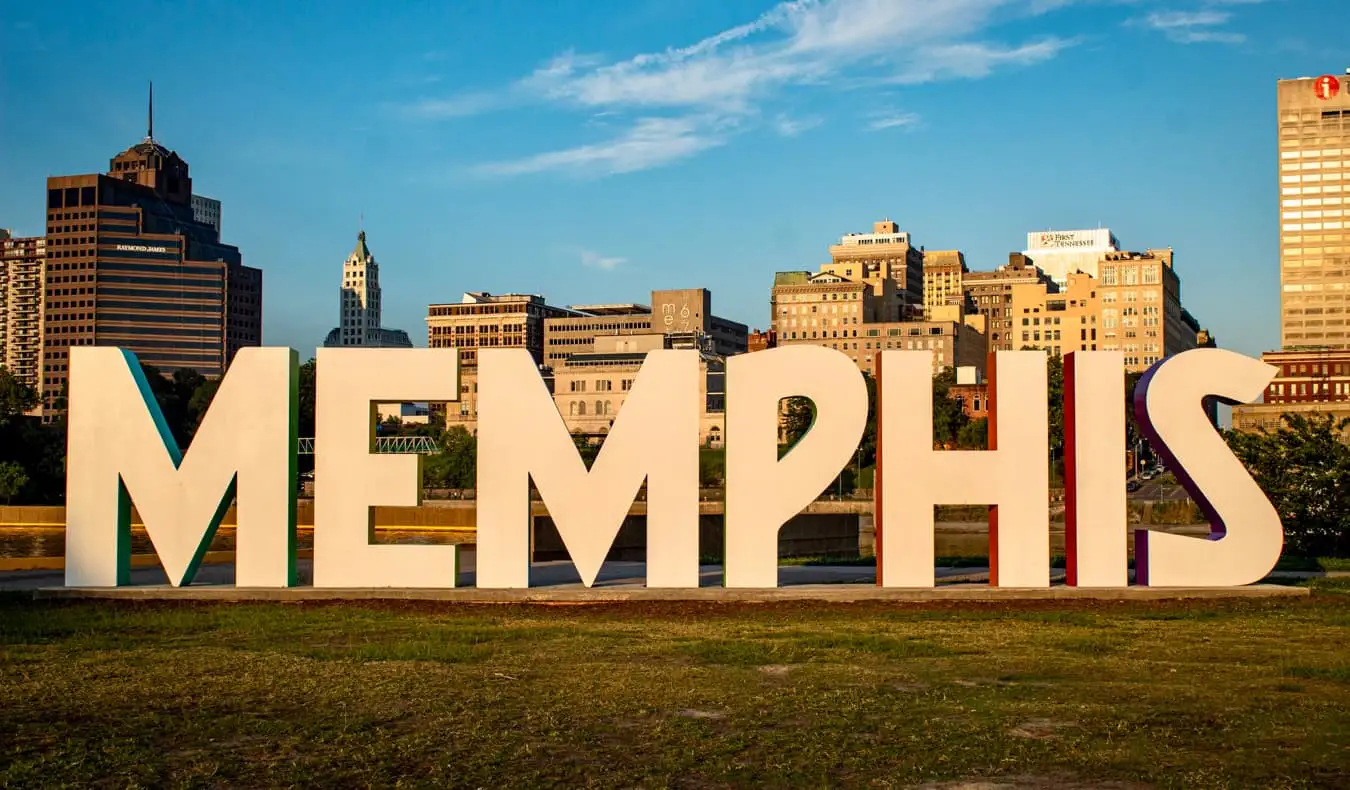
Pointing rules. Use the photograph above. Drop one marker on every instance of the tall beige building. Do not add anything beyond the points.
(484, 320)
(1314, 146)
(888, 263)
(1141, 308)
(1314, 160)
(1134, 306)
(826, 309)
(1057, 321)
(588, 354)
(22, 274)
(991, 293)
(943, 273)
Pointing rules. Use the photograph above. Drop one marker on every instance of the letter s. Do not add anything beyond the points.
(1246, 534)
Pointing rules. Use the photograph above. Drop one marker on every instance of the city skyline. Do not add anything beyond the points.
(744, 142)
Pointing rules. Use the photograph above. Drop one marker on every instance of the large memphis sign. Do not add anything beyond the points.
(245, 451)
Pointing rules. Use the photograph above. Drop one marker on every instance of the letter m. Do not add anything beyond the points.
(522, 437)
(122, 451)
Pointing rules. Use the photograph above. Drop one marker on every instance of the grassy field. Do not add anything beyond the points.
(1065, 695)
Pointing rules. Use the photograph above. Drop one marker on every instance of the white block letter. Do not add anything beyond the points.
(1013, 475)
(521, 436)
(763, 492)
(120, 450)
(349, 478)
(1095, 515)
(1246, 534)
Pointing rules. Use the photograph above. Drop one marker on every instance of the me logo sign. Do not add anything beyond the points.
(121, 449)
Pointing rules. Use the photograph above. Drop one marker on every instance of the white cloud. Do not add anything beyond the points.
(693, 97)
(1171, 20)
(974, 60)
(893, 121)
(454, 107)
(651, 142)
(594, 260)
(791, 127)
(1199, 26)
(1206, 36)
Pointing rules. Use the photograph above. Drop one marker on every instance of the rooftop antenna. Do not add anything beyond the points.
(150, 118)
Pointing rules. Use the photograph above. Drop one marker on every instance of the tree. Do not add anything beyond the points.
(949, 417)
(308, 377)
(1304, 469)
(16, 397)
(711, 468)
(13, 478)
(587, 448)
(974, 435)
(868, 447)
(198, 402)
(798, 415)
(455, 466)
(1054, 379)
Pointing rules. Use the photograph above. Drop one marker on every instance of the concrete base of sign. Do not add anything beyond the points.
(558, 582)
(838, 593)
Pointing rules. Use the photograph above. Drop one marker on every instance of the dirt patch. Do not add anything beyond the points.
(1040, 729)
(691, 713)
(910, 688)
(997, 682)
(776, 670)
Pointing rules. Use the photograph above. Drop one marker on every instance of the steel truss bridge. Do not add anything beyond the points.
(386, 444)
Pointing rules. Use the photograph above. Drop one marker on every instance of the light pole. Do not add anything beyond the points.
(857, 477)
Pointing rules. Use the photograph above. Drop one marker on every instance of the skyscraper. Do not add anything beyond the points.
(1314, 135)
(206, 210)
(129, 265)
(359, 305)
(1314, 152)
(21, 274)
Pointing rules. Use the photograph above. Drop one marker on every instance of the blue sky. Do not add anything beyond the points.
(592, 151)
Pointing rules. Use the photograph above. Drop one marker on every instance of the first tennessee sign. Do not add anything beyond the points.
(245, 451)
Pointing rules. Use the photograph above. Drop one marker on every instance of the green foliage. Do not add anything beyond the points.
(869, 440)
(13, 478)
(949, 418)
(455, 466)
(183, 398)
(1304, 469)
(712, 466)
(1054, 379)
(798, 415)
(32, 455)
(308, 374)
(974, 435)
(587, 448)
(15, 397)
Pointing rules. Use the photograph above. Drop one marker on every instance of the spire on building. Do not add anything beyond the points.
(362, 252)
(150, 116)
